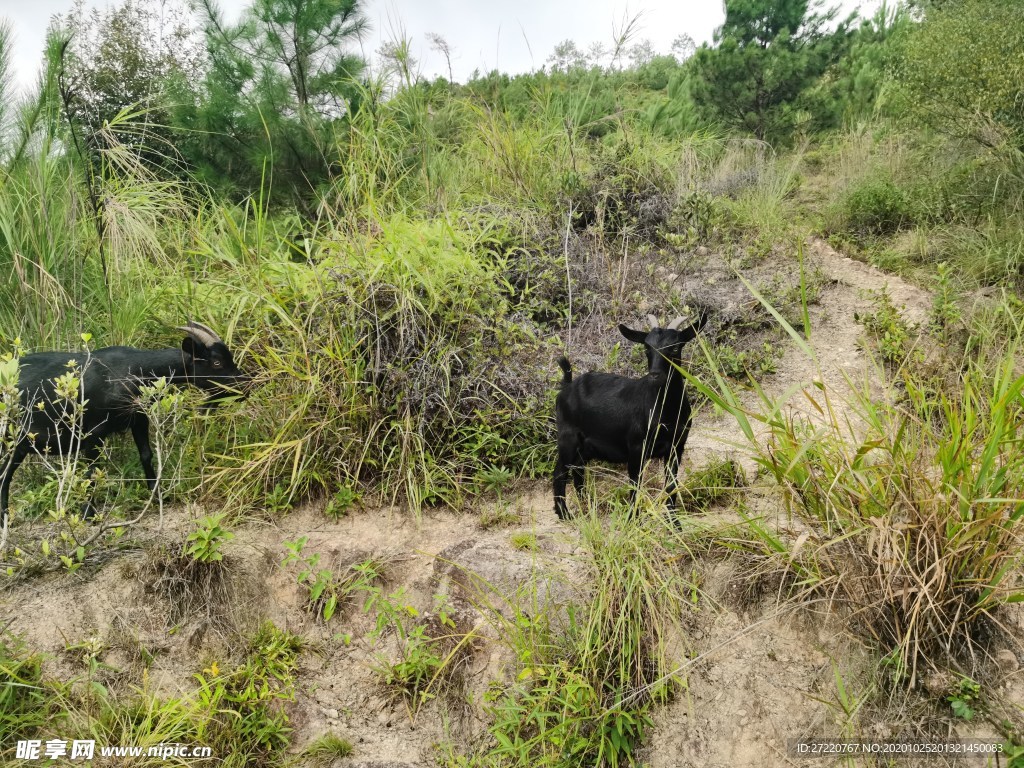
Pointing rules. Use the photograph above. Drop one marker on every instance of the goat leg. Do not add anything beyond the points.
(675, 454)
(635, 465)
(578, 474)
(13, 462)
(671, 482)
(561, 473)
(140, 432)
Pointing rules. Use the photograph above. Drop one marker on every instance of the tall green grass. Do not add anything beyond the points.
(912, 505)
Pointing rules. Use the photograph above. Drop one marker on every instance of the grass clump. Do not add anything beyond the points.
(875, 206)
(715, 483)
(326, 590)
(326, 749)
(588, 678)
(195, 577)
(912, 507)
(25, 700)
(389, 345)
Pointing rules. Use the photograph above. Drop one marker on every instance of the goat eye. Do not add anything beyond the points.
(217, 363)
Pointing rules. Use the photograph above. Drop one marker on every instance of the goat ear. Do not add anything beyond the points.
(695, 326)
(195, 350)
(637, 337)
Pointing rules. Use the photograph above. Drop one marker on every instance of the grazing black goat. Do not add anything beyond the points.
(606, 417)
(110, 381)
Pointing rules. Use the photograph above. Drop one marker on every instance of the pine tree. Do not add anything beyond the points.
(279, 81)
(767, 52)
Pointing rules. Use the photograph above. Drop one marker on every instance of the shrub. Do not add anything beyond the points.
(875, 206)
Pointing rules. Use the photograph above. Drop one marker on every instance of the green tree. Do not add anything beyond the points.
(962, 70)
(120, 59)
(852, 87)
(766, 53)
(280, 80)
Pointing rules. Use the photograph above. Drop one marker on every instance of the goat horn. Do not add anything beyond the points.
(675, 323)
(653, 320)
(201, 333)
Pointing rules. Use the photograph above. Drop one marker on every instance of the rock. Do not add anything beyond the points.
(331, 714)
(1006, 661)
(477, 569)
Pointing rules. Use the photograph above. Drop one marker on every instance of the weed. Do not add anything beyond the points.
(204, 544)
(583, 693)
(326, 591)
(523, 540)
(247, 702)
(193, 576)
(326, 749)
(748, 363)
(945, 315)
(717, 482)
(421, 658)
(341, 502)
(876, 206)
(279, 499)
(887, 328)
(914, 510)
(25, 700)
(964, 700)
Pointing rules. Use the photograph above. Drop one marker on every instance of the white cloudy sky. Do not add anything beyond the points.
(510, 36)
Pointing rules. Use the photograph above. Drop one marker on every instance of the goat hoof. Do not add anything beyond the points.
(88, 511)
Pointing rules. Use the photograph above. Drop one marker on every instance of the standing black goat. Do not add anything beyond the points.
(110, 381)
(606, 417)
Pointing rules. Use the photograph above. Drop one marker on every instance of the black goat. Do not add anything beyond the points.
(110, 381)
(606, 417)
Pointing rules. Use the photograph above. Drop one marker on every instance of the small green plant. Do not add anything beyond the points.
(279, 499)
(421, 657)
(204, 544)
(246, 705)
(742, 365)
(886, 327)
(321, 583)
(326, 591)
(493, 480)
(945, 313)
(694, 219)
(341, 502)
(326, 749)
(964, 700)
(523, 540)
(1013, 753)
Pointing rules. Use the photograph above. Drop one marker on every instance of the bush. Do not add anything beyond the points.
(875, 206)
(962, 69)
(394, 358)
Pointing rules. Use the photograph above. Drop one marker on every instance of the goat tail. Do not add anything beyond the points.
(563, 363)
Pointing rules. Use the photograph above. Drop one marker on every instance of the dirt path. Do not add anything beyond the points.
(835, 343)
